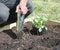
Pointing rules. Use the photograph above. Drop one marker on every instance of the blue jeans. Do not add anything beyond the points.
(7, 10)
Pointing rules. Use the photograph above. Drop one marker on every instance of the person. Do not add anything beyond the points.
(9, 9)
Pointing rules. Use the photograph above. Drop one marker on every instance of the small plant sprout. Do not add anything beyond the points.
(39, 22)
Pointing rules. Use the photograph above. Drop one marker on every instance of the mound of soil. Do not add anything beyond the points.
(49, 40)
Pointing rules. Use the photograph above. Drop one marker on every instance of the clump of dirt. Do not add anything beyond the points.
(49, 40)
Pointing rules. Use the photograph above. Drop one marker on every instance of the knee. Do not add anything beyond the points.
(30, 6)
(31, 9)
(4, 12)
(4, 16)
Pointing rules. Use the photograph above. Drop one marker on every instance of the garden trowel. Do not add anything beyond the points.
(20, 21)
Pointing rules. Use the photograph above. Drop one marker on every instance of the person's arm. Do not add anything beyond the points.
(23, 2)
(22, 6)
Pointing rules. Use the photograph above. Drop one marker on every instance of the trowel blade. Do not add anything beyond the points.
(20, 21)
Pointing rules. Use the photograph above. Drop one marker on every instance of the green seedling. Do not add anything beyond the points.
(39, 22)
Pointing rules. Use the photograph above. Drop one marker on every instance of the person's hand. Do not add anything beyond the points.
(23, 9)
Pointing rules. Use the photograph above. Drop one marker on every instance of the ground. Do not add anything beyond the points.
(49, 40)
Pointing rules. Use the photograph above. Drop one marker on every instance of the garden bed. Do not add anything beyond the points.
(49, 40)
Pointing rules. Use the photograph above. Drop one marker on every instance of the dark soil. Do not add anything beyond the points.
(49, 40)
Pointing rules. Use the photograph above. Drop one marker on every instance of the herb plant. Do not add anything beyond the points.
(39, 22)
